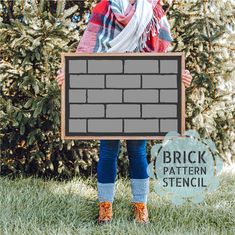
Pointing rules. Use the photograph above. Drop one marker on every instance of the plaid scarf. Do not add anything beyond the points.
(111, 17)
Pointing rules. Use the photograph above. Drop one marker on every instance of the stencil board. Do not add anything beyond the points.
(122, 95)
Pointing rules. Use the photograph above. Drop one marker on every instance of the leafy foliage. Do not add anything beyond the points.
(31, 45)
(204, 30)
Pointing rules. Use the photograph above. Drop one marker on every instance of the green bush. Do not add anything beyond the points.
(205, 30)
(31, 45)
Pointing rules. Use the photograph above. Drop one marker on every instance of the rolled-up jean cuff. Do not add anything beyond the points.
(140, 190)
(106, 192)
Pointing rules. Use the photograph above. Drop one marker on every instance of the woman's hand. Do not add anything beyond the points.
(60, 78)
(187, 78)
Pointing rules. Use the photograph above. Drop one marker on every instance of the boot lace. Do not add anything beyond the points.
(105, 210)
(141, 211)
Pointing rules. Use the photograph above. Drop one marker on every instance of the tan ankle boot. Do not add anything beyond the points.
(141, 212)
(105, 212)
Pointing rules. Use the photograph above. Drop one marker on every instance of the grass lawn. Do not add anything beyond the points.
(33, 206)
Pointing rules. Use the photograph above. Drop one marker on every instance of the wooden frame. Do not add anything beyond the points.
(63, 55)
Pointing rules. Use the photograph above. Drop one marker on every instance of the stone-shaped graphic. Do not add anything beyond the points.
(185, 168)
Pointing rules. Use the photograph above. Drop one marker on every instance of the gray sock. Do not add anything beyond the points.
(106, 192)
(140, 190)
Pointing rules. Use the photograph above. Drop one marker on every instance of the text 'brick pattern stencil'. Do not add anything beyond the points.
(122, 96)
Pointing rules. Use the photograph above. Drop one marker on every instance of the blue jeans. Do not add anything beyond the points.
(107, 169)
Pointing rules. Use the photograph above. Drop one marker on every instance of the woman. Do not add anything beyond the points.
(125, 26)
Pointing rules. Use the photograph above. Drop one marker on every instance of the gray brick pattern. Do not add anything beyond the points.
(123, 81)
(121, 96)
(168, 96)
(141, 66)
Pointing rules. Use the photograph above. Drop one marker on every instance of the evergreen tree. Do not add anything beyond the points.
(32, 38)
(204, 30)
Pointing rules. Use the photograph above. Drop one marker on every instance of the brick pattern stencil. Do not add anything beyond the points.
(121, 96)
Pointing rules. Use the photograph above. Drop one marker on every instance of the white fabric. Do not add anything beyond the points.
(124, 4)
(128, 38)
